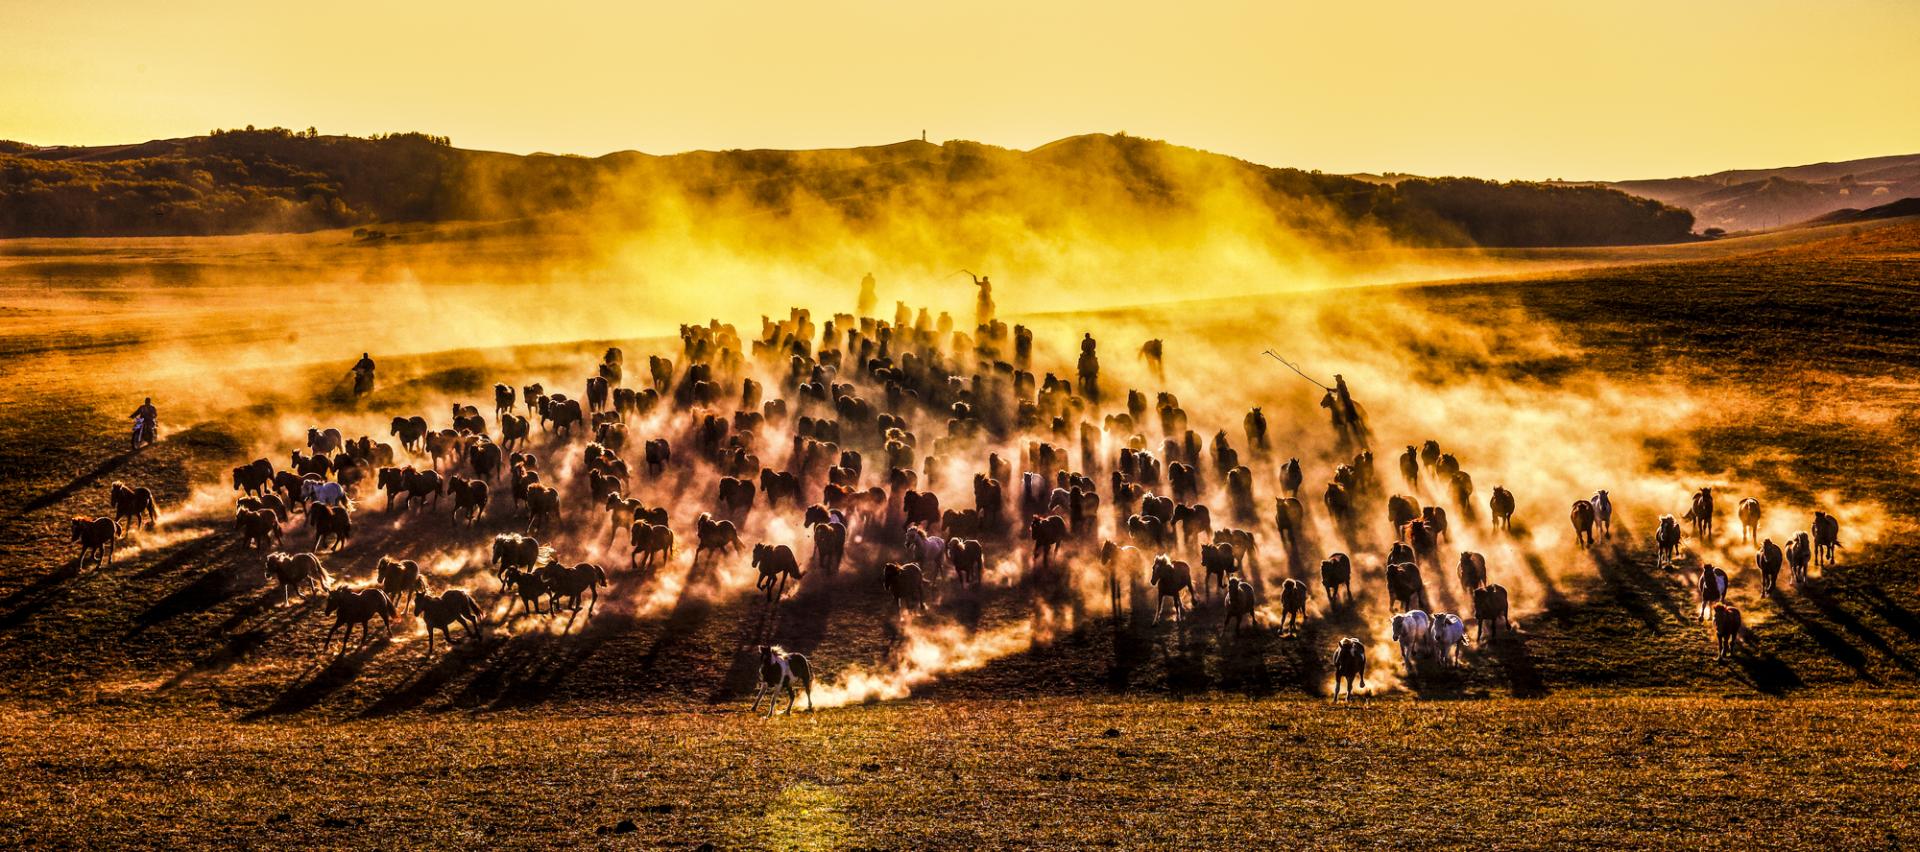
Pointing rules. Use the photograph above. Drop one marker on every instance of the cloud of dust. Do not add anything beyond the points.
(1516, 403)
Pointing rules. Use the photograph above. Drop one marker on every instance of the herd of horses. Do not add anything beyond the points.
(924, 453)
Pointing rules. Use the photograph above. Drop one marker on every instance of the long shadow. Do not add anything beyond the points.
(1838, 614)
(425, 683)
(690, 611)
(1768, 674)
(1516, 662)
(1309, 665)
(32, 598)
(1892, 612)
(311, 689)
(1552, 597)
(812, 608)
(1638, 591)
(1833, 643)
(1243, 659)
(204, 593)
(1132, 637)
(200, 545)
(84, 480)
(236, 646)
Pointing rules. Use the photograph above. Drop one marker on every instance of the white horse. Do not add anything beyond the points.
(1603, 513)
(322, 491)
(1449, 634)
(1412, 629)
(928, 550)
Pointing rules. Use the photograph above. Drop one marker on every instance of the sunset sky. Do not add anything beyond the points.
(1519, 89)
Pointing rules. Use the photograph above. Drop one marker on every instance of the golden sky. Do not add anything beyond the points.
(1515, 89)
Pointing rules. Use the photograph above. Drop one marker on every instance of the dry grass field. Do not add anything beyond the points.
(171, 700)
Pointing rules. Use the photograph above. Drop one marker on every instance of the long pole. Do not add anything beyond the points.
(1290, 365)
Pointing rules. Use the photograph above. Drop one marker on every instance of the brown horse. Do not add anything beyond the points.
(1293, 604)
(96, 538)
(1241, 605)
(907, 583)
(543, 507)
(301, 571)
(399, 578)
(649, 540)
(1726, 628)
(1502, 505)
(1582, 518)
(1171, 577)
(133, 504)
(441, 611)
(714, 535)
(470, 498)
(776, 563)
(326, 521)
(258, 527)
(1349, 663)
(356, 607)
(571, 583)
(1336, 572)
(1489, 609)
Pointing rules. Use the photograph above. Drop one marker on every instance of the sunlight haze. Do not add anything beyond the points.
(1493, 89)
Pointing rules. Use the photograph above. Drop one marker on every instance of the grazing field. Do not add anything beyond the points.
(1065, 773)
(171, 698)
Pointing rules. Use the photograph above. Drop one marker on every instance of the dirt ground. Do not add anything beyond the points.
(170, 699)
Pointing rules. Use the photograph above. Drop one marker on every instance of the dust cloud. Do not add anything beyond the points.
(1206, 264)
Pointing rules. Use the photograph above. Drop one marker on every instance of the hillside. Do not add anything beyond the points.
(1753, 199)
(1903, 207)
(277, 180)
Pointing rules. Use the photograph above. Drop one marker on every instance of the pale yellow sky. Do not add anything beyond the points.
(1517, 89)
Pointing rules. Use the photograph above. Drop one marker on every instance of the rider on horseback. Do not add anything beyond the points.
(363, 374)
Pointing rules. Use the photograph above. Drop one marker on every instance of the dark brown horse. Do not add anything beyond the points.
(301, 571)
(96, 538)
(399, 578)
(572, 583)
(776, 563)
(352, 608)
(135, 505)
(329, 522)
(441, 611)
(258, 527)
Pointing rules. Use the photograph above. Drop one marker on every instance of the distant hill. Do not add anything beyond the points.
(1756, 199)
(278, 180)
(1903, 207)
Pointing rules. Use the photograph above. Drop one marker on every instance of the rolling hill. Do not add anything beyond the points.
(278, 180)
(1756, 199)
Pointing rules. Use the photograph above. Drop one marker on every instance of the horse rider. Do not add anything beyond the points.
(362, 373)
(983, 307)
(1347, 409)
(868, 297)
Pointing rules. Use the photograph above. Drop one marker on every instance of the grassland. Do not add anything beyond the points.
(170, 701)
(1045, 773)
